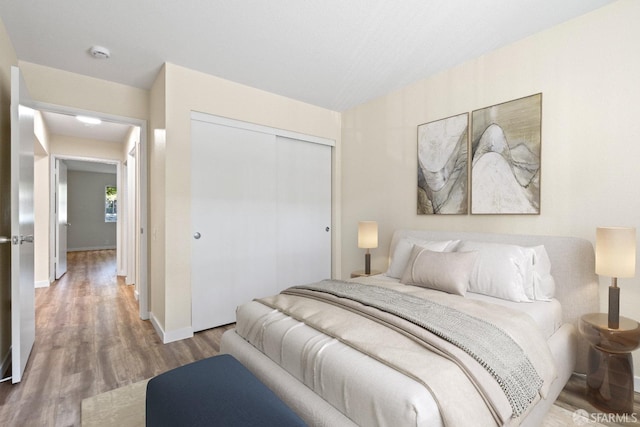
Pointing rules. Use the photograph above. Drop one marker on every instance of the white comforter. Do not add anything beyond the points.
(359, 386)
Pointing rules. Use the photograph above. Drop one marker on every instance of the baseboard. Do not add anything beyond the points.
(91, 248)
(6, 362)
(42, 284)
(636, 384)
(156, 326)
(170, 336)
(136, 295)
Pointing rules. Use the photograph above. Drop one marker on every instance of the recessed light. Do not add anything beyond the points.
(89, 120)
(99, 52)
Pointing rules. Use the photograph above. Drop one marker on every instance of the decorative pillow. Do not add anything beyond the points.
(444, 271)
(501, 271)
(544, 286)
(402, 252)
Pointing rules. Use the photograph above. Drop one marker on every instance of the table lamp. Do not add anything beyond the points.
(615, 257)
(367, 239)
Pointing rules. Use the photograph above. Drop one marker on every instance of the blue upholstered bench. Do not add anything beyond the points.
(217, 391)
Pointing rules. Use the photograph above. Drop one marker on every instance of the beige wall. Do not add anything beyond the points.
(587, 70)
(156, 218)
(7, 59)
(187, 91)
(62, 145)
(53, 86)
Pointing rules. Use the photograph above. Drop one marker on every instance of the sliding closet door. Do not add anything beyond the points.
(233, 212)
(304, 212)
(260, 215)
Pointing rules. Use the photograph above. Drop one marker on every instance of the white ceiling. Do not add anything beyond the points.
(67, 125)
(88, 166)
(331, 53)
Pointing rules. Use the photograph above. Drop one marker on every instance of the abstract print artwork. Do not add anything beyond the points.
(442, 166)
(505, 157)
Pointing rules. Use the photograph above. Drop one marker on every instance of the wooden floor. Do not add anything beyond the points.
(90, 339)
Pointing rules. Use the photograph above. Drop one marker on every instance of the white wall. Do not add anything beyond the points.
(587, 70)
(86, 209)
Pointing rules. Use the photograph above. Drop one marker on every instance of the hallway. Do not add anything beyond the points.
(90, 339)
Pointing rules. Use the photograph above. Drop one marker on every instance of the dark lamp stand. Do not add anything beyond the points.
(614, 304)
(367, 262)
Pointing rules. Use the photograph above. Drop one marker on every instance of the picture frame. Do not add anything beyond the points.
(506, 157)
(443, 166)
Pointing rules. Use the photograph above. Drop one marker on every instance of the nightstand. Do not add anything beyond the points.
(361, 273)
(610, 368)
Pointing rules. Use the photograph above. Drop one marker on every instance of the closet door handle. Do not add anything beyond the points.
(197, 235)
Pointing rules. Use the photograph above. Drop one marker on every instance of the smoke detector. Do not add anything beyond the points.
(99, 52)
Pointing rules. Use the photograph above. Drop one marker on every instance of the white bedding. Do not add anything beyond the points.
(345, 377)
(339, 374)
(546, 314)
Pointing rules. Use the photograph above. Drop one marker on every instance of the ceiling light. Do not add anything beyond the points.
(89, 120)
(99, 52)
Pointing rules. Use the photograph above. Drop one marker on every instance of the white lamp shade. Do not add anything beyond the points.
(368, 234)
(616, 251)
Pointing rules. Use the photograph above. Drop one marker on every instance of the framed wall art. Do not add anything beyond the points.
(443, 165)
(505, 157)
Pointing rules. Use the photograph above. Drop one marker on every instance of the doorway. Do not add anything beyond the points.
(86, 146)
(85, 193)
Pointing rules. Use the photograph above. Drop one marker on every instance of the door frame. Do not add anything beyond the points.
(53, 218)
(54, 259)
(142, 268)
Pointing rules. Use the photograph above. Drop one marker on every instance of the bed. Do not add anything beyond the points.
(339, 361)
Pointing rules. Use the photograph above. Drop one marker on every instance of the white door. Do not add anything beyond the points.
(23, 329)
(304, 212)
(62, 218)
(260, 214)
(233, 213)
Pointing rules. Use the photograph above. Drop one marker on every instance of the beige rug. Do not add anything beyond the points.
(124, 407)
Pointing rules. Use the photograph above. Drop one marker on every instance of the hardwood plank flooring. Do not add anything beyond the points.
(89, 339)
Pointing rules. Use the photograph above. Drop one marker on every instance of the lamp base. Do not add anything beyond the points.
(614, 307)
(367, 263)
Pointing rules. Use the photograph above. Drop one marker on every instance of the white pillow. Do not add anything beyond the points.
(544, 286)
(501, 271)
(444, 271)
(401, 253)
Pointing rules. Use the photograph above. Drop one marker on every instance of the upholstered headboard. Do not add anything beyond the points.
(572, 267)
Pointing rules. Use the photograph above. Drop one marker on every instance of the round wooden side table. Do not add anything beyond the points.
(610, 366)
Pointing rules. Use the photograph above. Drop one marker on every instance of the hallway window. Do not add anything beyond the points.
(111, 204)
